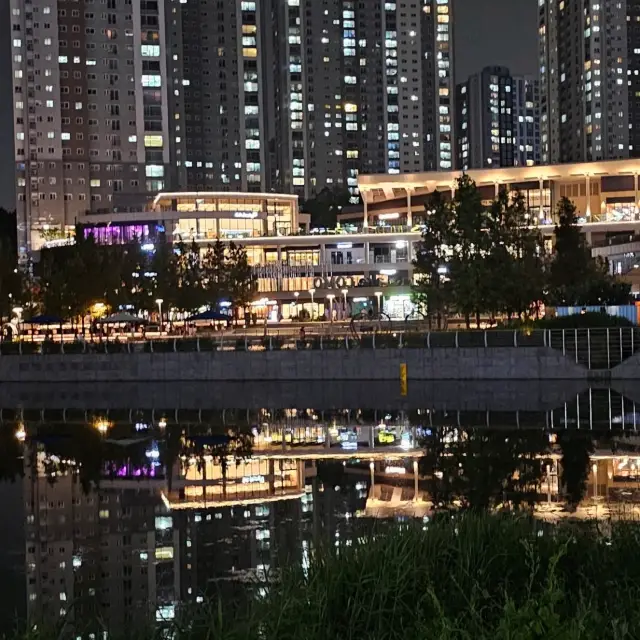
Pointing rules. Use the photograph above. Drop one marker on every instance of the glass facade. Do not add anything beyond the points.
(246, 480)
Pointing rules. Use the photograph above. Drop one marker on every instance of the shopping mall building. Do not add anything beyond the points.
(366, 261)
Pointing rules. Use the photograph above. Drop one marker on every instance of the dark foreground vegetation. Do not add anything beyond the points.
(466, 577)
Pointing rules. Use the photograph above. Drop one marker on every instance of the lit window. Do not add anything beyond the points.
(151, 81)
(153, 141)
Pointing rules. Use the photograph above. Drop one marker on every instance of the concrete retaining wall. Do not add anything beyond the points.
(496, 363)
(628, 370)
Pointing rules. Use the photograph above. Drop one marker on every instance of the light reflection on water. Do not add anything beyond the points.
(128, 514)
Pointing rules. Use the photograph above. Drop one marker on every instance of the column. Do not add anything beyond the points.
(635, 202)
(409, 212)
(373, 479)
(279, 269)
(453, 191)
(496, 187)
(415, 481)
(587, 212)
(217, 227)
(366, 211)
(541, 189)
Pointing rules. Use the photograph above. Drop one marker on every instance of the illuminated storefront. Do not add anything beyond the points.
(229, 216)
(251, 479)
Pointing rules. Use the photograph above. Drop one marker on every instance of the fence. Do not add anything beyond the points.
(592, 348)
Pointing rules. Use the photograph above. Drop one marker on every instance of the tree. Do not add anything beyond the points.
(189, 277)
(468, 267)
(432, 291)
(125, 280)
(575, 277)
(240, 277)
(163, 284)
(324, 208)
(215, 272)
(577, 448)
(516, 260)
(73, 277)
(483, 468)
(10, 277)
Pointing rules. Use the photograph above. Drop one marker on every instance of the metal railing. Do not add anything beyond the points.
(593, 348)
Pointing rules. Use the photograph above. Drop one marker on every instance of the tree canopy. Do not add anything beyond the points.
(479, 260)
(72, 278)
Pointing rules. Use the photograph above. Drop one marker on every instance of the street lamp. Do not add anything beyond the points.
(159, 302)
(378, 296)
(18, 312)
(331, 297)
(102, 426)
(295, 302)
(312, 292)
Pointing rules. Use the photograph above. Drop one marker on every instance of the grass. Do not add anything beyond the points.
(472, 577)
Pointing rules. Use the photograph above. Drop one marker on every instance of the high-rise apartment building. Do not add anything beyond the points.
(496, 119)
(633, 74)
(361, 87)
(90, 105)
(526, 104)
(115, 100)
(584, 73)
(220, 94)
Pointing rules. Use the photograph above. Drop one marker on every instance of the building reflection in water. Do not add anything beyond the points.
(127, 520)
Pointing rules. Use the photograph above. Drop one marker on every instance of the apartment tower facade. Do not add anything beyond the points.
(587, 83)
(361, 88)
(497, 120)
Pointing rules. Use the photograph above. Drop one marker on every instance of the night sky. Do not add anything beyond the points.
(488, 32)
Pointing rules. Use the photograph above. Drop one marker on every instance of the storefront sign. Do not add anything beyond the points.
(250, 215)
(252, 479)
(335, 282)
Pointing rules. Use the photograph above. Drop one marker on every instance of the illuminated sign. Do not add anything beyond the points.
(400, 471)
(250, 215)
(335, 282)
(252, 479)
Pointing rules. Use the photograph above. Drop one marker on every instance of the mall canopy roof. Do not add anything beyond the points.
(121, 317)
(45, 319)
(211, 314)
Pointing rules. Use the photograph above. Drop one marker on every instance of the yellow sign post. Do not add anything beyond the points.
(403, 379)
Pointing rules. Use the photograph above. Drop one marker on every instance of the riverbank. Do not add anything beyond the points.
(598, 355)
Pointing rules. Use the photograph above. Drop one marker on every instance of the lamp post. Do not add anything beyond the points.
(159, 302)
(312, 292)
(18, 312)
(344, 295)
(378, 296)
(330, 297)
